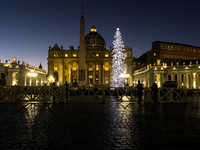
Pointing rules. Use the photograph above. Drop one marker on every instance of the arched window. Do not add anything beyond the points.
(106, 66)
(74, 66)
(55, 66)
(90, 66)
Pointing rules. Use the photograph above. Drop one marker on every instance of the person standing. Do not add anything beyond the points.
(154, 89)
(139, 91)
(66, 93)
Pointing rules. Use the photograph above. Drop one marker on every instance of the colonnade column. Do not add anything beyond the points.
(178, 81)
(162, 79)
(197, 79)
(191, 80)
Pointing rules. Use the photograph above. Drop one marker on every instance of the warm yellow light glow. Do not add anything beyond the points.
(66, 55)
(74, 66)
(97, 55)
(51, 79)
(106, 55)
(55, 54)
(125, 54)
(93, 30)
(31, 74)
(90, 77)
(74, 55)
(106, 66)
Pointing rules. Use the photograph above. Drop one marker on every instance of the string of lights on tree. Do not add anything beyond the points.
(118, 65)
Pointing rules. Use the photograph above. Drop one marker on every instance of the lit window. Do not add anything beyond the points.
(74, 66)
(66, 55)
(74, 55)
(154, 54)
(55, 67)
(106, 55)
(106, 66)
(97, 55)
(90, 66)
(55, 54)
(90, 77)
(97, 67)
(106, 79)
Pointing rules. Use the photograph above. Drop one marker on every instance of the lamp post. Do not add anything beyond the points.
(125, 76)
(31, 75)
(51, 79)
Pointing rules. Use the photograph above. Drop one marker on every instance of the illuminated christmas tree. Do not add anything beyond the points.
(118, 65)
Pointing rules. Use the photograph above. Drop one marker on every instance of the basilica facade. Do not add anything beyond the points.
(63, 64)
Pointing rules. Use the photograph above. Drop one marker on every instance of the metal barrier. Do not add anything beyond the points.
(101, 93)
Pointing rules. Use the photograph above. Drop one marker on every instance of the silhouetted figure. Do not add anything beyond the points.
(139, 91)
(154, 89)
(66, 93)
(75, 84)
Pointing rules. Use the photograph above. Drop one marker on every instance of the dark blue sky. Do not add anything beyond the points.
(29, 27)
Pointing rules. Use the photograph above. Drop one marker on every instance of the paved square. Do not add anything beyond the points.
(103, 126)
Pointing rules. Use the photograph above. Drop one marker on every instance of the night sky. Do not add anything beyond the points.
(29, 27)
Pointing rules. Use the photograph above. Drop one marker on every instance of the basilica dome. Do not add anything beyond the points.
(94, 40)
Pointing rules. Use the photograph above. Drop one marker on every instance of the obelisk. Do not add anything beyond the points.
(82, 52)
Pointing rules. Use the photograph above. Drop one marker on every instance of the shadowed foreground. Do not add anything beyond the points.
(103, 126)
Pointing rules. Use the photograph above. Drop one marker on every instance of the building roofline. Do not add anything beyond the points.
(175, 44)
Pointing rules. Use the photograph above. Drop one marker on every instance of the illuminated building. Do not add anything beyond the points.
(63, 65)
(169, 62)
(21, 74)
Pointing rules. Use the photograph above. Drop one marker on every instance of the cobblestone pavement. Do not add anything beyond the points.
(101, 126)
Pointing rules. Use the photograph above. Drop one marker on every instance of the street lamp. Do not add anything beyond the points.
(32, 75)
(125, 76)
(51, 79)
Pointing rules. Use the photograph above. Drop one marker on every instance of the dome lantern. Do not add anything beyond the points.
(93, 28)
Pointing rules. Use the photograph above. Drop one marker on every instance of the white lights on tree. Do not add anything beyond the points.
(118, 65)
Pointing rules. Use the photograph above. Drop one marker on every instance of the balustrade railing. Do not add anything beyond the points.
(101, 93)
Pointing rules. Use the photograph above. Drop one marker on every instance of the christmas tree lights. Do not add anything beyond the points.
(118, 65)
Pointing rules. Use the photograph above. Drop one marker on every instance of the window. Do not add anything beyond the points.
(74, 55)
(106, 66)
(55, 54)
(154, 54)
(125, 54)
(106, 55)
(66, 55)
(74, 66)
(97, 55)
(97, 67)
(90, 66)
(55, 66)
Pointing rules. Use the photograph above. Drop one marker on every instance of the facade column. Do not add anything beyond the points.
(77, 74)
(70, 73)
(100, 73)
(94, 78)
(172, 77)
